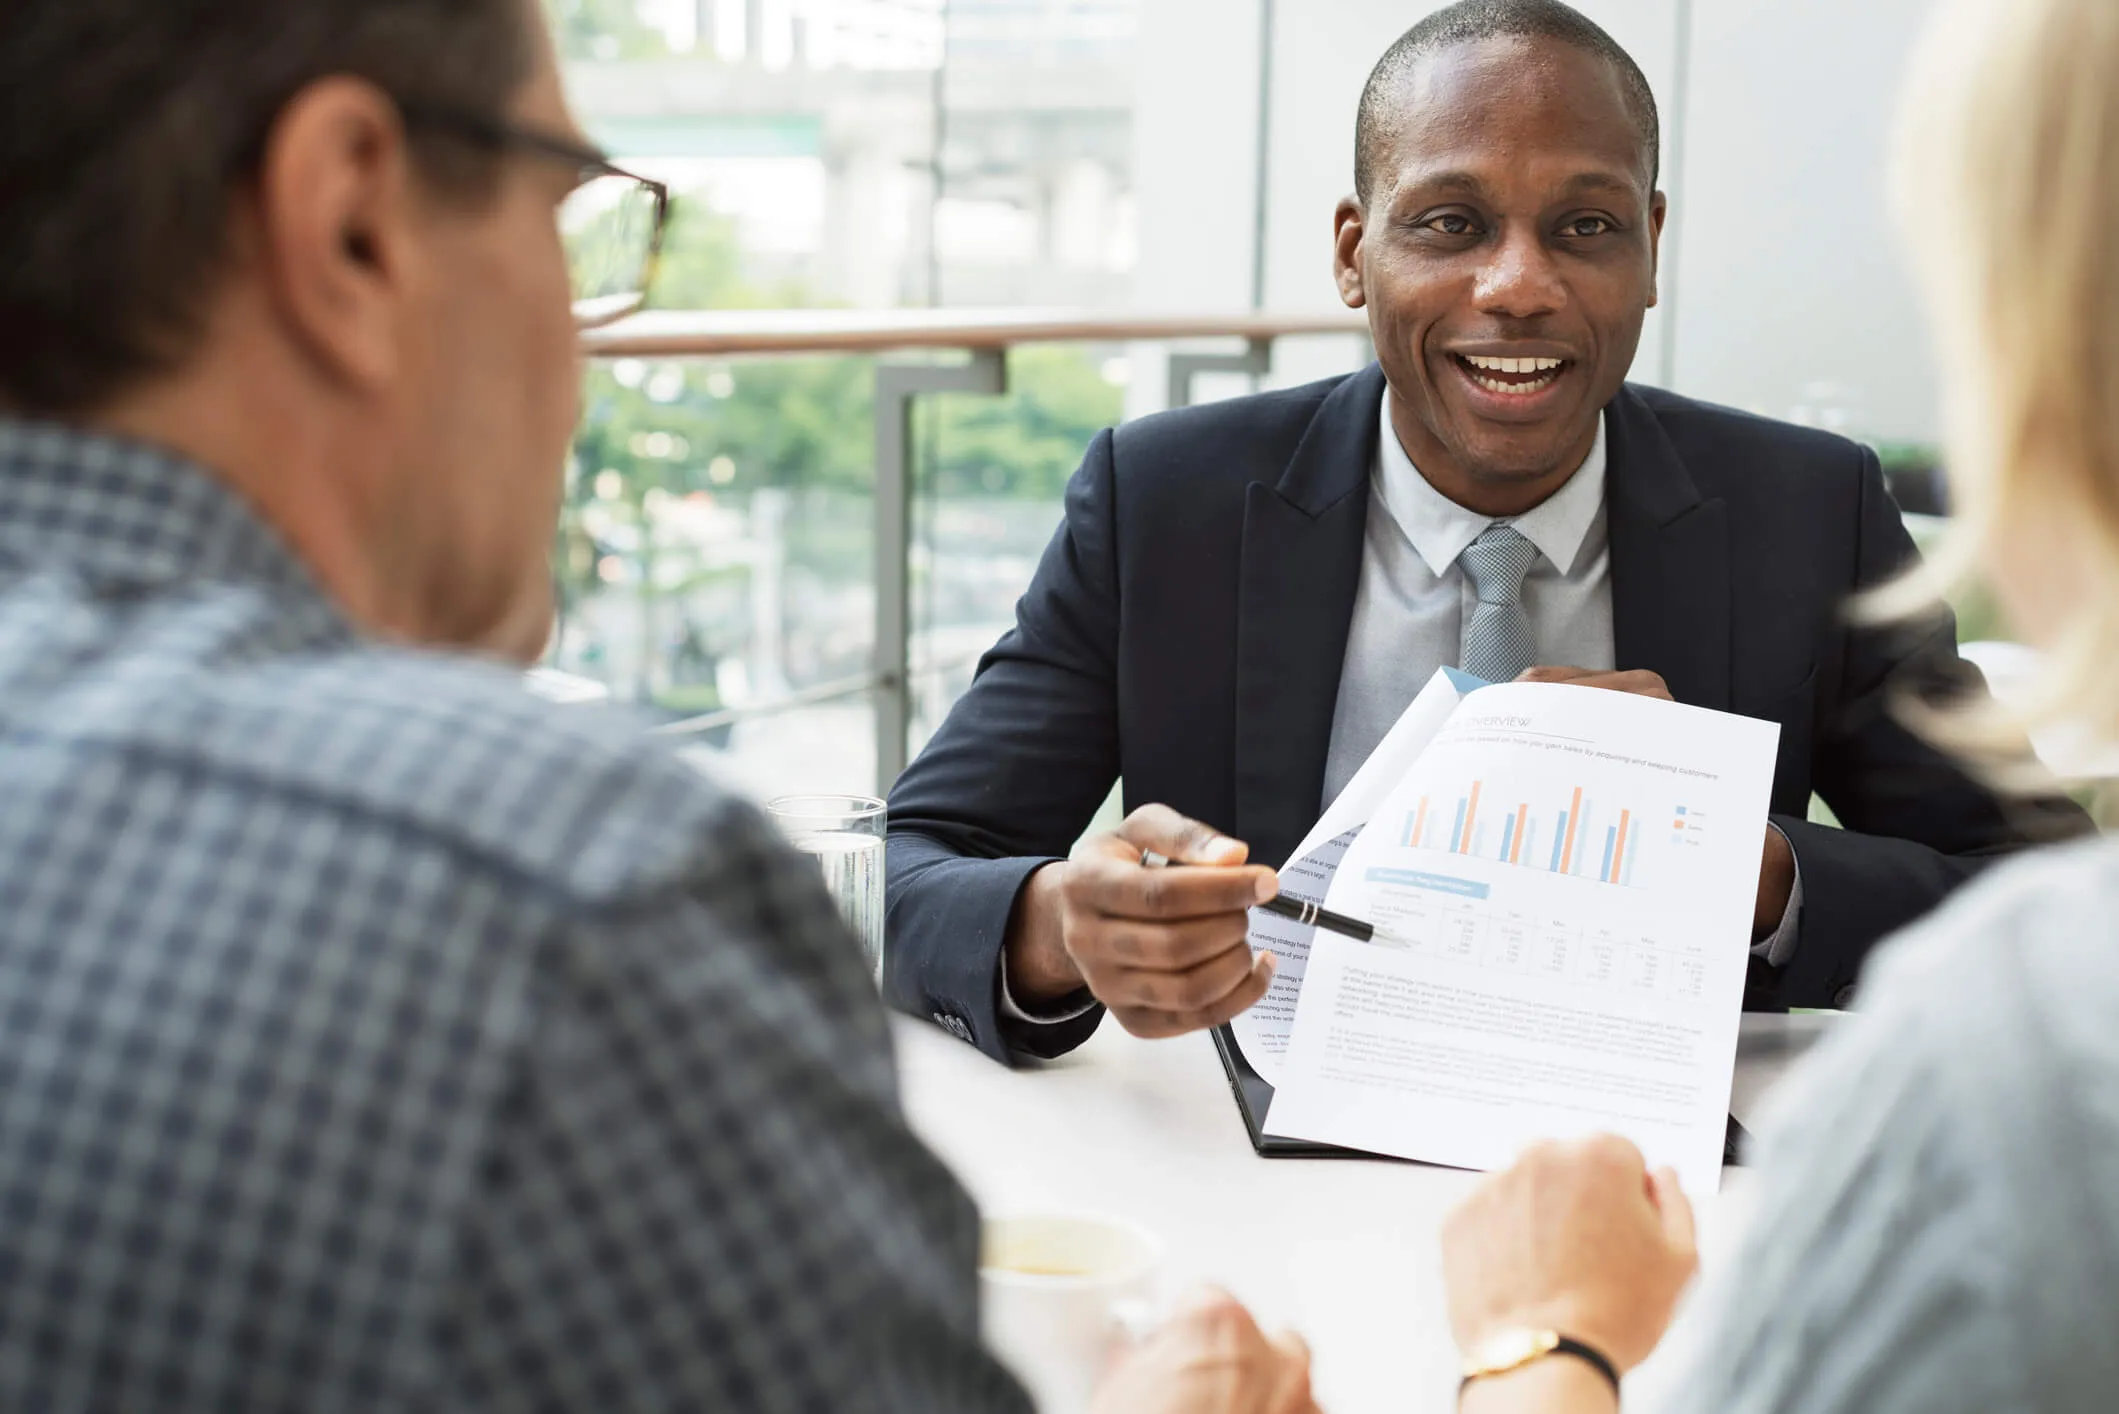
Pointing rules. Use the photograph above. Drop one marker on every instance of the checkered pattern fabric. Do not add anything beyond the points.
(1497, 638)
(376, 1037)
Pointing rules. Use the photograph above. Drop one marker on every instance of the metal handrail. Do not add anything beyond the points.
(730, 332)
(832, 691)
(985, 335)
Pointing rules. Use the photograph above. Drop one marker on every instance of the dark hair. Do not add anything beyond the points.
(126, 126)
(1471, 20)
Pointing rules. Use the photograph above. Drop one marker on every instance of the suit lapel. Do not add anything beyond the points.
(1669, 561)
(1302, 544)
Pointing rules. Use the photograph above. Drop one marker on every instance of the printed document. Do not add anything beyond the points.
(1562, 883)
(1262, 1032)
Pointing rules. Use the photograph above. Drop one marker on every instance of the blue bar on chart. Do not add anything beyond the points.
(1416, 825)
(1616, 849)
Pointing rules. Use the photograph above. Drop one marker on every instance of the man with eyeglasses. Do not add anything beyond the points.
(372, 1035)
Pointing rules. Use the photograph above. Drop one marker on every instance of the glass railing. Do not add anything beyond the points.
(790, 534)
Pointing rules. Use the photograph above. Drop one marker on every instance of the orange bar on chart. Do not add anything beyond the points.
(1419, 824)
(1618, 856)
(1471, 816)
(1515, 852)
(1574, 818)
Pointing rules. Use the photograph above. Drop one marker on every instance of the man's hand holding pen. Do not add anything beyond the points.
(1310, 915)
(1166, 949)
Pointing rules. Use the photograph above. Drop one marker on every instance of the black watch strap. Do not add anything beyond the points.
(1593, 1357)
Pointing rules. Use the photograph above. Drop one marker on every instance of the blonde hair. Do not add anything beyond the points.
(2008, 193)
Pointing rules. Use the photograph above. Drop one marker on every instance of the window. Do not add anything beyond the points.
(717, 547)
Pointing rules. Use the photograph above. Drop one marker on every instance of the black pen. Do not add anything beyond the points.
(1294, 910)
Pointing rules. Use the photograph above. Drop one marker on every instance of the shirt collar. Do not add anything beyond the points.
(1440, 529)
(124, 513)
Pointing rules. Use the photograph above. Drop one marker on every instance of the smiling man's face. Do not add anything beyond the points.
(1507, 256)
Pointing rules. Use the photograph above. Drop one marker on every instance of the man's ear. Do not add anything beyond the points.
(1658, 213)
(334, 212)
(1347, 231)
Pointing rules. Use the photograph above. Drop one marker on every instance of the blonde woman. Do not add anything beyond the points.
(1936, 1214)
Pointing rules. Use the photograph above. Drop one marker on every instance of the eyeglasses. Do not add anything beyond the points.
(612, 223)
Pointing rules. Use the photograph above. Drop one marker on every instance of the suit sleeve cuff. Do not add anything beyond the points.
(1069, 1008)
(946, 927)
(1776, 949)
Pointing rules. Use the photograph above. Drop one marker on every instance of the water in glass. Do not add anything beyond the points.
(844, 834)
(853, 872)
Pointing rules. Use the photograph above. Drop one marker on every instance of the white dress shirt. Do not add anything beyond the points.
(1410, 606)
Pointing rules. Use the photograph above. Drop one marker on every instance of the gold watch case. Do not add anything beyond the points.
(1508, 1350)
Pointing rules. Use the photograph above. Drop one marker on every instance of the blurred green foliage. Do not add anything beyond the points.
(604, 29)
(730, 427)
(1907, 456)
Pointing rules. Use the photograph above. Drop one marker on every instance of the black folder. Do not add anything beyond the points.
(1254, 1096)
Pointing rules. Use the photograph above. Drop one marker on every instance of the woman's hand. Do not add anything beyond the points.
(1577, 1238)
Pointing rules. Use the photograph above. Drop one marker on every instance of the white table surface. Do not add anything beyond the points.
(1344, 1250)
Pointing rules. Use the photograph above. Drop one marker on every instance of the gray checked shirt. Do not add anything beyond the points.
(375, 1037)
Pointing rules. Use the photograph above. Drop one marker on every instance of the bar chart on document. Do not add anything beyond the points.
(1576, 835)
(1562, 883)
(1545, 855)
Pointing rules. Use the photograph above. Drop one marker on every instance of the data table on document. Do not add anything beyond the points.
(1471, 930)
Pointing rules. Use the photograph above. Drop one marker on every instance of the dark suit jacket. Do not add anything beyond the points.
(1187, 625)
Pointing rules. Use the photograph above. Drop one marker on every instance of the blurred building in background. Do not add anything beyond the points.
(879, 153)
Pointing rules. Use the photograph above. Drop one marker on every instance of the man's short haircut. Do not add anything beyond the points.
(127, 125)
(1470, 21)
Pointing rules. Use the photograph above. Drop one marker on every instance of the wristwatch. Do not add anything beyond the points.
(1513, 1349)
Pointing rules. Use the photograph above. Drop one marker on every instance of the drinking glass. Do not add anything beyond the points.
(844, 834)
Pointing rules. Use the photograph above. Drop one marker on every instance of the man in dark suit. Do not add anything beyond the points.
(1244, 597)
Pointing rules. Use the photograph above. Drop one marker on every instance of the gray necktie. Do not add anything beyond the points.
(1497, 640)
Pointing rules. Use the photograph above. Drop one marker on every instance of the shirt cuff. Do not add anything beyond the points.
(1011, 1010)
(1778, 948)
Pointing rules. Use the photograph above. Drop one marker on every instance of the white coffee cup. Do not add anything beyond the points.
(1060, 1293)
